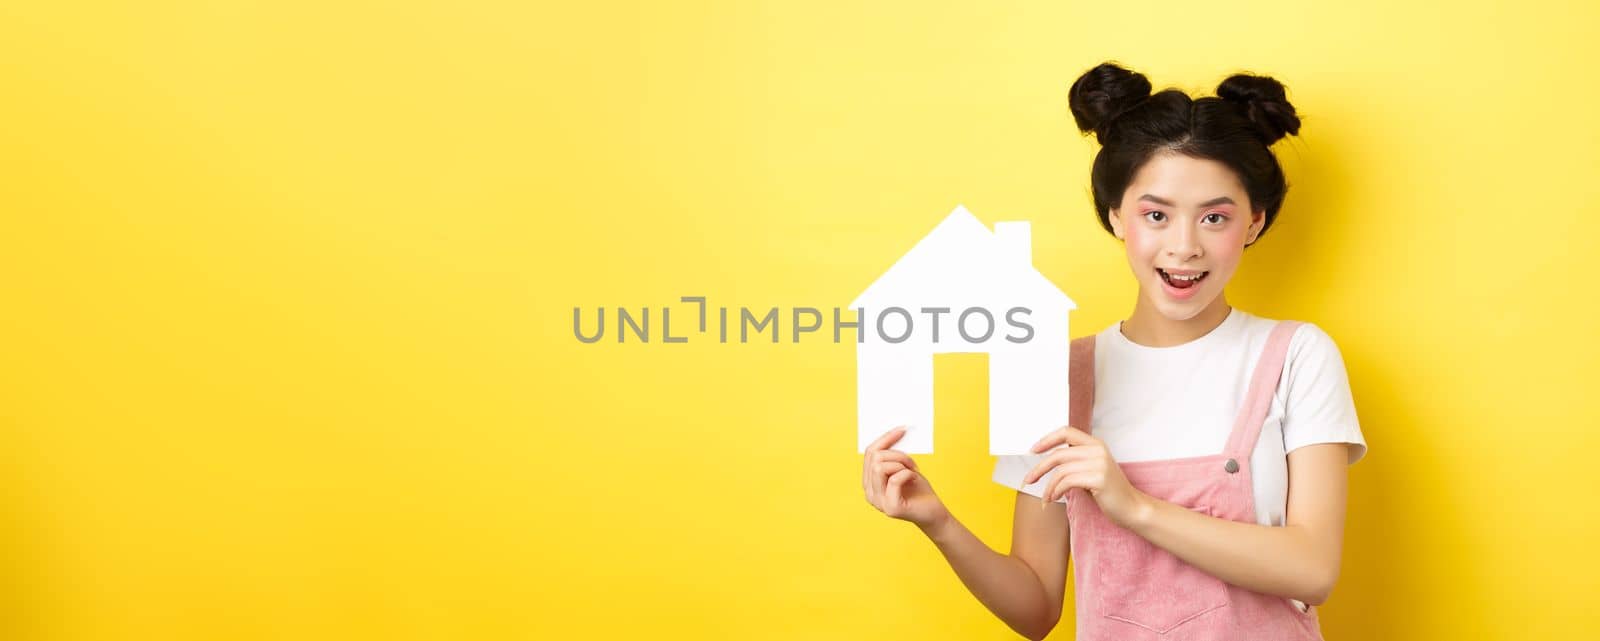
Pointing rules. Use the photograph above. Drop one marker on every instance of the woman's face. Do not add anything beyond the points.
(1181, 218)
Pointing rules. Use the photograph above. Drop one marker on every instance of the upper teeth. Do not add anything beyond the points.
(1182, 277)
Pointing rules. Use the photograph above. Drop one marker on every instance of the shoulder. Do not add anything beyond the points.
(1089, 342)
(1312, 344)
(1319, 406)
(1313, 365)
(1309, 342)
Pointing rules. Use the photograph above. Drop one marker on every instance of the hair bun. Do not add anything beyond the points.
(1102, 93)
(1264, 103)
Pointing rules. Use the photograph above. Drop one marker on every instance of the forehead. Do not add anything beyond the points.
(1185, 180)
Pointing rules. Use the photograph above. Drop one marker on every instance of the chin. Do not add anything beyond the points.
(1180, 313)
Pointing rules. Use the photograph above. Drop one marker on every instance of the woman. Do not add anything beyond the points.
(1201, 484)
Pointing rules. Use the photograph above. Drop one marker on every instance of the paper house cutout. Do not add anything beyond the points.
(962, 266)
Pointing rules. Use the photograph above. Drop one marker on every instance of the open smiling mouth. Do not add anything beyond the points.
(1180, 281)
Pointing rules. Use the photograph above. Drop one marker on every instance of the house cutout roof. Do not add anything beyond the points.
(961, 258)
(957, 267)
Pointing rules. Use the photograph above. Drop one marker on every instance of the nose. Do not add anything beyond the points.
(1184, 243)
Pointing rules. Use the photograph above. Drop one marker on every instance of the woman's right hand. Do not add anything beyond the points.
(895, 486)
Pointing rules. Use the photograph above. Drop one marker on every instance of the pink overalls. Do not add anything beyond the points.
(1128, 589)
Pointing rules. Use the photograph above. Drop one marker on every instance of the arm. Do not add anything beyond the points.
(1299, 560)
(1025, 588)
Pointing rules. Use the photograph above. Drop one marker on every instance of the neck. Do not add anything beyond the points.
(1149, 327)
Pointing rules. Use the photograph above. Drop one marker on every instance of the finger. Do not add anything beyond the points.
(1070, 470)
(876, 456)
(1043, 496)
(901, 457)
(1054, 459)
(1040, 470)
(895, 492)
(888, 438)
(1083, 475)
(874, 483)
(1063, 484)
(876, 474)
(1066, 435)
(871, 460)
(867, 463)
(1054, 487)
(881, 473)
(1076, 436)
(1063, 436)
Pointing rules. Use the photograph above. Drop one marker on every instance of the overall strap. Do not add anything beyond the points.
(1263, 384)
(1080, 383)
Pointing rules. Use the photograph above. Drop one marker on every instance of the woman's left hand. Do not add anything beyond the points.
(1086, 463)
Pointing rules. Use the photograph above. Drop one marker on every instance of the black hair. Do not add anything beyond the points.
(1236, 128)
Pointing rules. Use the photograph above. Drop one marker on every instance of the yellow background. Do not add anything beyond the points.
(287, 297)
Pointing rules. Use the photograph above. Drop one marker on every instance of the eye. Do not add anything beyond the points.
(1219, 218)
(1155, 216)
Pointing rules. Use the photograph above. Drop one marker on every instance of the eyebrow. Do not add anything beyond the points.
(1221, 200)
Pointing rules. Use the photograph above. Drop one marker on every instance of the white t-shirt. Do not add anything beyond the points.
(1180, 401)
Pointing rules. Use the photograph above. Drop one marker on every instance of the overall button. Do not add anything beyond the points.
(1231, 466)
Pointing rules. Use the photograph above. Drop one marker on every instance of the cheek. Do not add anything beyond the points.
(1141, 243)
(1228, 245)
